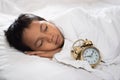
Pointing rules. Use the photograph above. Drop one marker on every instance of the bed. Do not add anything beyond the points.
(15, 65)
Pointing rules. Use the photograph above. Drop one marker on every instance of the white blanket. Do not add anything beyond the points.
(102, 29)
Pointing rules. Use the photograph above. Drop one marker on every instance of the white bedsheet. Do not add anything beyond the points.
(15, 65)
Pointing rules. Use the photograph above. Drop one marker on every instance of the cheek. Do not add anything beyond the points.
(48, 46)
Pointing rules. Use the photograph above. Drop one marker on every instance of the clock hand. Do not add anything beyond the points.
(88, 56)
(91, 53)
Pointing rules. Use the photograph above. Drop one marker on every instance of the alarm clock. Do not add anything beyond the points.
(85, 50)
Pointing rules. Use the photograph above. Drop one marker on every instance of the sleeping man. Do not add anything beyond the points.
(53, 39)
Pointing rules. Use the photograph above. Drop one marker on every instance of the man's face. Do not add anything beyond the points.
(42, 36)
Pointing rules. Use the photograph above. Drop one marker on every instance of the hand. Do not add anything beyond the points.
(46, 54)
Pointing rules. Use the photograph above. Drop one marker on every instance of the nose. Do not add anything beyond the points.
(49, 37)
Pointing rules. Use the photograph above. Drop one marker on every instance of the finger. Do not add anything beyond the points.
(29, 52)
(34, 52)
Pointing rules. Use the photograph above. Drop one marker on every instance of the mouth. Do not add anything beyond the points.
(57, 40)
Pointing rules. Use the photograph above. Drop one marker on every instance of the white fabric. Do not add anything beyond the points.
(97, 28)
(15, 65)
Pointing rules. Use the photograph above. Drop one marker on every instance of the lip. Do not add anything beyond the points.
(57, 40)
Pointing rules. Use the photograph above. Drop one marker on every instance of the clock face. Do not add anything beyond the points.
(91, 54)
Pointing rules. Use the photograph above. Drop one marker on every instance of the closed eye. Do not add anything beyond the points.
(43, 27)
(39, 43)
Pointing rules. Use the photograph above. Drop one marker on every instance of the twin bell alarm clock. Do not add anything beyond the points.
(85, 50)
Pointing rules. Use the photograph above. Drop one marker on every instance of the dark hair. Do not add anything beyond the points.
(15, 31)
